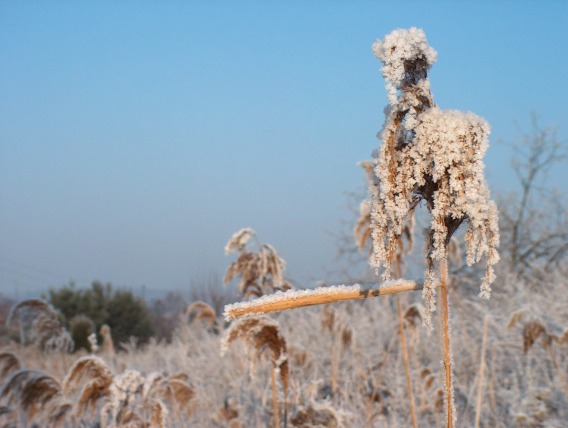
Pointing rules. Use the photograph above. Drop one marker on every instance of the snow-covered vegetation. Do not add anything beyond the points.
(348, 360)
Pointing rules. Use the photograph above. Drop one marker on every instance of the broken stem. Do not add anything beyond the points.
(296, 299)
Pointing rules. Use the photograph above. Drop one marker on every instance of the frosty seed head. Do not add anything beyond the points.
(428, 155)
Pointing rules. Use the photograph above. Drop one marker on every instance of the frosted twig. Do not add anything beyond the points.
(292, 299)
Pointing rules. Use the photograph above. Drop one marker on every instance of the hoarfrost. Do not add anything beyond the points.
(430, 155)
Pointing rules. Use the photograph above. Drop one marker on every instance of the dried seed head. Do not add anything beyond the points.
(428, 155)
(425, 373)
(533, 328)
(108, 346)
(346, 337)
(96, 378)
(239, 240)
(229, 411)
(263, 335)
(9, 363)
(413, 315)
(316, 415)
(159, 413)
(201, 311)
(439, 400)
(261, 272)
(31, 390)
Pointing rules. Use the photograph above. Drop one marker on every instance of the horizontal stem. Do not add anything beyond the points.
(291, 299)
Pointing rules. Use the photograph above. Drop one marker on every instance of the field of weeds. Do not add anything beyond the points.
(382, 357)
(344, 362)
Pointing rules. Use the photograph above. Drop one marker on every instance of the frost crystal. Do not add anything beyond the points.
(429, 155)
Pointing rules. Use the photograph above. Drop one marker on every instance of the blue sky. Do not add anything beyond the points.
(136, 137)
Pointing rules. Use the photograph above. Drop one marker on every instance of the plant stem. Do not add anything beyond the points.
(275, 399)
(561, 376)
(406, 363)
(447, 353)
(296, 299)
(481, 373)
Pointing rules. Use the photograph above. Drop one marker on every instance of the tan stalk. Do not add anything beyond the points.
(335, 356)
(481, 373)
(447, 360)
(406, 362)
(382, 366)
(274, 398)
(319, 296)
(404, 348)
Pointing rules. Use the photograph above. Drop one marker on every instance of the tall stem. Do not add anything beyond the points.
(275, 399)
(292, 299)
(446, 341)
(406, 363)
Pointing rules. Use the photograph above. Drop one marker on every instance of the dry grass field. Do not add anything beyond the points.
(344, 368)
(448, 356)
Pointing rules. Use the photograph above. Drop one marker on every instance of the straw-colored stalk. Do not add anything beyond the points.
(341, 338)
(447, 355)
(274, 397)
(319, 296)
(427, 378)
(481, 372)
(316, 414)
(203, 313)
(406, 362)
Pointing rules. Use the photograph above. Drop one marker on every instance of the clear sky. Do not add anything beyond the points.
(136, 137)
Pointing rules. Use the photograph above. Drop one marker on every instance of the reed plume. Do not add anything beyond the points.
(9, 363)
(108, 345)
(533, 328)
(261, 272)
(173, 389)
(316, 415)
(31, 390)
(40, 321)
(203, 313)
(263, 337)
(94, 376)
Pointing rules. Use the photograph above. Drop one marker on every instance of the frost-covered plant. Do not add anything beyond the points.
(39, 322)
(433, 156)
(92, 379)
(264, 340)
(93, 344)
(428, 155)
(261, 272)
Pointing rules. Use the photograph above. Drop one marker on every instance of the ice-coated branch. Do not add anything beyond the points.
(291, 299)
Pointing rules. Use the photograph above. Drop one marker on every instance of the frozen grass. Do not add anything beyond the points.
(292, 299)
(345, 369)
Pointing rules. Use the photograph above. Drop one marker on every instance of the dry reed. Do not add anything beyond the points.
(260, 272)
(263, 335)
(297, 299)
(94, 376)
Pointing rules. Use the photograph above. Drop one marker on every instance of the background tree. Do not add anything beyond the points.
(126, 314)
(535, 230)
